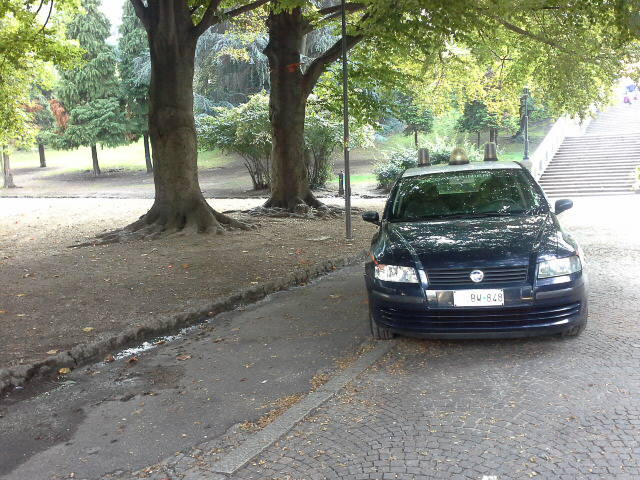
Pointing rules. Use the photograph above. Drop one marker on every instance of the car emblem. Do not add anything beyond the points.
(476, 276)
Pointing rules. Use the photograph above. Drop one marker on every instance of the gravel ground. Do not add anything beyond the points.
(53, 297)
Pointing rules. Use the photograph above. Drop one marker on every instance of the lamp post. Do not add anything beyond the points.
(345, 109)
(525, 111)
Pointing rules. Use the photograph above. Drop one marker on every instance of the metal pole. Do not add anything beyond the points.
(345, 103)
(526, 124)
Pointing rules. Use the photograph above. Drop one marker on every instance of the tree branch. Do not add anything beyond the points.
(212, 16)
(333, 12)
(349, 7)
(208, 18)
(141, 12)
(526, 33)
(245, 8)
(319, 65)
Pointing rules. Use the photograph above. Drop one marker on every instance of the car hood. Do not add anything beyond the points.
(477, 242)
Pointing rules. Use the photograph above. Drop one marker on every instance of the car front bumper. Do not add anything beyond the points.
(551, 307)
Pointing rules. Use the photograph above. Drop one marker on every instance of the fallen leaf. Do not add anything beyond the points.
(87, 329)
(2, 312)
(133, 360)
(109, 358)
(183, 357)
(160, 342)
(52, 352)
(64, 371)
(185, 265)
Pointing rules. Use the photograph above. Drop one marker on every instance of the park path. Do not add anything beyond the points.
(603, 161)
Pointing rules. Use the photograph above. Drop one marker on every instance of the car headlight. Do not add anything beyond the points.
(395, 273)
(559, 266)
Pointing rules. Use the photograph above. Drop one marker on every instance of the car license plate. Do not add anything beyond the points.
(478, 298)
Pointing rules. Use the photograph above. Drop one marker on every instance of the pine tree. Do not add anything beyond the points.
(90, 93)
(133, 46)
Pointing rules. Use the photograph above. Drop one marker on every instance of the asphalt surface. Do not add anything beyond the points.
(123, 416)
(530, 408)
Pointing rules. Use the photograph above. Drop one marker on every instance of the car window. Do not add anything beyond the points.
(465, 193)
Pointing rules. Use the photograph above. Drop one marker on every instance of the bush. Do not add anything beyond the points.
(244, 130)
(389, 169)
(322, 135)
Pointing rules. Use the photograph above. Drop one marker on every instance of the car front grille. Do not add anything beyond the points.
(460, 276)
(474, 319)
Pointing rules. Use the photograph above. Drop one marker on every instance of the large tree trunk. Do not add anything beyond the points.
(287, 104)
(43, 158)
(6, 169)
(179, 204)
(94, 158)
(147, 153)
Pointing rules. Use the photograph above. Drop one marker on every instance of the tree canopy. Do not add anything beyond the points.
(90, 93)
(30, 37)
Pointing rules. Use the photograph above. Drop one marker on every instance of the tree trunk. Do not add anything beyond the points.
(94, 157)
(479, 140)
(179, 204)
(415, 137)
(287, 103)
(147, 153)
(6, 169)
(493, 135)
(43, 159)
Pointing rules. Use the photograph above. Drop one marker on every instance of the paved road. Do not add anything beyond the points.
(124, 416)
(544, 408)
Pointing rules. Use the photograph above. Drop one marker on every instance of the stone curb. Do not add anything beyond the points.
(87, 352)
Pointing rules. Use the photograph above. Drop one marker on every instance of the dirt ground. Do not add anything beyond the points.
(53, 297)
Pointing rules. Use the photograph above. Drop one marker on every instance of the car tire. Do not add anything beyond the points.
(578, 329)
(378, 332)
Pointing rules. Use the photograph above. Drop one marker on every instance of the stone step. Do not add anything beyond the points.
(587, 181)
(585, 189)
(557, 195)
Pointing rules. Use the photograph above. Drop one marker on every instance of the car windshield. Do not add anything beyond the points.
(474, 193)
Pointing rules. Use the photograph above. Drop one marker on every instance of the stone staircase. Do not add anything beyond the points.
(601, 162)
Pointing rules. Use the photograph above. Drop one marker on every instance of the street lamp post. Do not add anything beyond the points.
(525, 106)
(345, 105)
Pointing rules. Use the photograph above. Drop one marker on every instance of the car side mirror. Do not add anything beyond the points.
(562, 205)
(371, 217)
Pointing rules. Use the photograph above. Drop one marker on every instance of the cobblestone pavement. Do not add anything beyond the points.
(545, 408)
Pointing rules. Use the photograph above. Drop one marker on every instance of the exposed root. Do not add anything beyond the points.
(159, 222)
(324, 212)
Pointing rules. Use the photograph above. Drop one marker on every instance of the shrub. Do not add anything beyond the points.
(244, 130)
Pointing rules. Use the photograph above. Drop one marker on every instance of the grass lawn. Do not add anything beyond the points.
(127, 157)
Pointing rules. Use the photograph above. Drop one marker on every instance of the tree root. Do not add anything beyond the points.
(158, 222)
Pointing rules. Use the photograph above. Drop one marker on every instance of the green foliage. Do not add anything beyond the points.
(323, 134)
(399, 159)
(244, 130)
(27, 47)
(91, 93)
(132, 45)
(417, 119)
(476, 117)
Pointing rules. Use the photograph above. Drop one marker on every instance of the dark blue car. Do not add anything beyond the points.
(473, 251)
